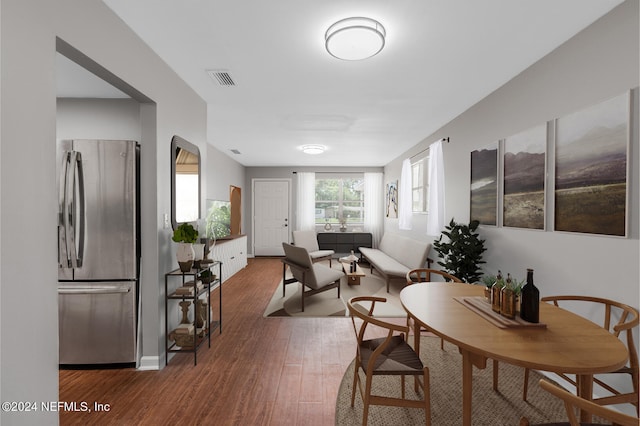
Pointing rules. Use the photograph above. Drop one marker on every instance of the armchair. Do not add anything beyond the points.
(316, 277)
(309, 240)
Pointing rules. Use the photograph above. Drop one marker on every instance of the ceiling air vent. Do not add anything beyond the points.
(222, 77)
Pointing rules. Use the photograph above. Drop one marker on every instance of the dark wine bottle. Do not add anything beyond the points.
(530, 304)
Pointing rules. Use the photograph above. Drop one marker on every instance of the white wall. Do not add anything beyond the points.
(28, 246)
(115, 119)
(598, 63)
(287, 173)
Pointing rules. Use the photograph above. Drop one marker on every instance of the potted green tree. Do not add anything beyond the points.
(185, 235)
(461, 255)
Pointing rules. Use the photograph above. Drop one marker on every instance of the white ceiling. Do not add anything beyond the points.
(440, 58)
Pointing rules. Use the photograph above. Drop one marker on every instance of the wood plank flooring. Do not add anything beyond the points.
(259, 371)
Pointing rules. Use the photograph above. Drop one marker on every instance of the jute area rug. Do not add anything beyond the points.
(327, 303)
(490, 408)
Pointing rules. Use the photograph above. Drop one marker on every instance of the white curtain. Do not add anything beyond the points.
(374, 205)
(435, 218)
(404, 197)
(306, 201)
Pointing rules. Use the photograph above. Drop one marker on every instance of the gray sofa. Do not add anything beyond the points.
(396, 255)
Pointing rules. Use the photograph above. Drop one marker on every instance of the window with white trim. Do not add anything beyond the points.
(420, 183)
(340, 199)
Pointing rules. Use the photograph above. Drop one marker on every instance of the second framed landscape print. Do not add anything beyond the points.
(591, 169)
(524, 176)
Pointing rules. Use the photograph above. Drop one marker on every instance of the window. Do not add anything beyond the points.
(419, 184)
(339, 199)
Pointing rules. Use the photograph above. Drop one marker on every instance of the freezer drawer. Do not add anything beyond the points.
(97, 322)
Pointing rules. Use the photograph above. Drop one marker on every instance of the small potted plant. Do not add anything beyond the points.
(510, 295)
(488, 280)
(185, 235)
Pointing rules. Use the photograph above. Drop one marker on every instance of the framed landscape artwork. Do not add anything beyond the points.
(524, 176)
(484, 185)
(591, 169)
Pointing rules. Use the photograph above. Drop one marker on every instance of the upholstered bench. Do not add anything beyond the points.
(396, 255)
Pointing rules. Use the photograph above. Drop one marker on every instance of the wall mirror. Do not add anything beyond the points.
(185, 181)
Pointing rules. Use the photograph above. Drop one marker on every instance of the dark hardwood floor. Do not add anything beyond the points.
(259, 371)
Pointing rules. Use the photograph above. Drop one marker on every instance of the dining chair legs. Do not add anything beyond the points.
(355, 382)
(525, 384)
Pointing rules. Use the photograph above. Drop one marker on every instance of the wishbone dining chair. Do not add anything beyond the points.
(622, 328)
(424, 275)
(390, 355)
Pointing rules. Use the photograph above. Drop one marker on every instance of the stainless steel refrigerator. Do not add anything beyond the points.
(98, 251)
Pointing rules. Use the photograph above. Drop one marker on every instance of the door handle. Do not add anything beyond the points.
(75, 214)
(64, 258)
(94, 290)
(81, 210)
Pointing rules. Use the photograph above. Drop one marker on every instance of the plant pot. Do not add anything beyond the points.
(185, 256)
(185, 266)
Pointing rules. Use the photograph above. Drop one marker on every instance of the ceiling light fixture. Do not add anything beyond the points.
(313, 149)
(353, 39)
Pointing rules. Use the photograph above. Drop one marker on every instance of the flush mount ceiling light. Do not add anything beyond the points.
(313, 149)
(353, 39)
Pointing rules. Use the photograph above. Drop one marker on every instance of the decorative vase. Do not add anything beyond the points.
(184, 306)
(185, 256)
(201, 313)
(198, 251)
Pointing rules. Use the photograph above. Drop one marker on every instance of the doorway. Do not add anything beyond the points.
(97, 103)
(271, 211)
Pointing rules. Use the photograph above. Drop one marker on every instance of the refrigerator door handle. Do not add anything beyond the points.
(64, 257)
(94, 290)
(75, 209)
(81, 210)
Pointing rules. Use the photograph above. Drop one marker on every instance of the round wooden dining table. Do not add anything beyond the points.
(563, 342)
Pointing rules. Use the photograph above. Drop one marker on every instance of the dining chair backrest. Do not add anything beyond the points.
(424, 275)
(573, 402)
(620, 320)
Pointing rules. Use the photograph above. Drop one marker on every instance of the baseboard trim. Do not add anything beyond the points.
(149, 363)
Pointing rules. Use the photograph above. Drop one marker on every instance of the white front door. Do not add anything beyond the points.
(270, 216)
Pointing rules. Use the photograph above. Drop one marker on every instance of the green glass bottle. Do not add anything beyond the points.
(530, 303)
